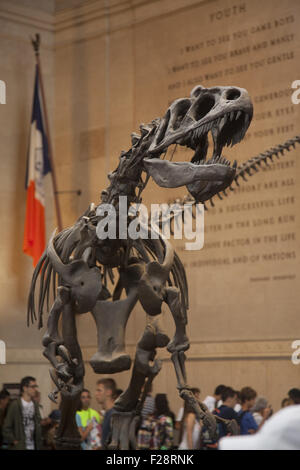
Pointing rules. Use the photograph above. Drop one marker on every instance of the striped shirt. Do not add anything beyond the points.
(149, 406)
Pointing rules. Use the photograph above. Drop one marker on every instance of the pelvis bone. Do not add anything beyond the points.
(151, 286)
(84, 282)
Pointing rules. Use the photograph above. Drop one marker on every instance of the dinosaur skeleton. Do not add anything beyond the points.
(77, 265)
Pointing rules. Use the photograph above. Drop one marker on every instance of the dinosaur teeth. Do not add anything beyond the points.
(223, 122)
(234, 164)
(229, 140)
(198, 132)
(247, 120)
(239, 113)
(236, 138)
(232, 115)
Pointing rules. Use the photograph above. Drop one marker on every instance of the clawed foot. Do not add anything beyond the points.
(66, 369)
(64, 372)
(178, 345)
(201, 411)
(124, 426)
(65, 386)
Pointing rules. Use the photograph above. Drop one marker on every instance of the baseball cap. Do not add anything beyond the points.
(280, 432)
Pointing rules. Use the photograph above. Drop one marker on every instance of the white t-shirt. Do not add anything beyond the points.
(258, 418)
(210, 402)
(180, 414)
(237, 407)
(28, 422)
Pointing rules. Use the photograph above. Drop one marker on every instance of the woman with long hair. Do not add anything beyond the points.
(156, 430)
(163, 433)
(189, 436)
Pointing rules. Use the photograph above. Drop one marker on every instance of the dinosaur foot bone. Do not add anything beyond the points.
(124, 426)
(202, 413)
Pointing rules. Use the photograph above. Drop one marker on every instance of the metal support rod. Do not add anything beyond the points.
(77, 191)
(36, 46)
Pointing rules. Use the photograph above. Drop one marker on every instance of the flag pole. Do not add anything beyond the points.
(36, 47)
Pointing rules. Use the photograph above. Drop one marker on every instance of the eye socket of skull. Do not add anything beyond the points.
(202, 106)
(232, 94)
(178, 113)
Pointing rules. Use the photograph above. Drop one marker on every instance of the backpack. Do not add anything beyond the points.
(146, 433)
(206, 442)
(163, 433)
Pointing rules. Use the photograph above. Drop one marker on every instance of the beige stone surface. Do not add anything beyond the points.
(105, 72)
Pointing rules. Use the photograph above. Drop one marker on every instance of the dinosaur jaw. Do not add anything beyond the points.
(175, 174)
(203, 178)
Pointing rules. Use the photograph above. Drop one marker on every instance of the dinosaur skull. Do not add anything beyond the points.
(226, 112)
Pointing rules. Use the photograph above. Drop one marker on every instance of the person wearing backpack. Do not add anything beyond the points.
(226, 410)
(88, 422)
(246, 420)
(146, 433)
(163, 431)
(156, 430)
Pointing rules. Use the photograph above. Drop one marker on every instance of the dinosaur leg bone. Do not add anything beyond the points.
(161, 337)
(144, 366)
(180, 341)
(52, 335)
(129, 405)
(178, 359)
(176, 347)
(67, 436)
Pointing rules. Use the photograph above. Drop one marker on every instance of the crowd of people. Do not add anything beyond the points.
(24, 426)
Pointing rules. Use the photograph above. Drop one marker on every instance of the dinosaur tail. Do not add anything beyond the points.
(252, 166)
